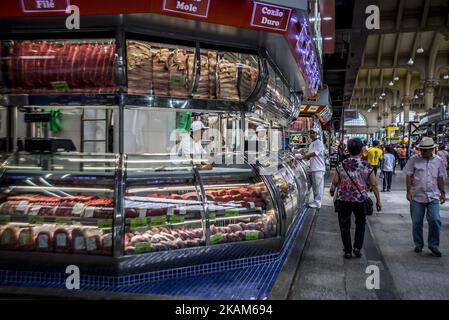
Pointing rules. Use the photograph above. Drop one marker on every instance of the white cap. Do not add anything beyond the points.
(198, 125)
(260, 129)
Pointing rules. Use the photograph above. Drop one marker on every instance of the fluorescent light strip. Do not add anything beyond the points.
(40, 188)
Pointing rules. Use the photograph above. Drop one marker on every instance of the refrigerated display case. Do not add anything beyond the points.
(58, 203)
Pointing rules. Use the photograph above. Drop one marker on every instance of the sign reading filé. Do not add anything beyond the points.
(270, 16)
(198, 8)
(30, 6)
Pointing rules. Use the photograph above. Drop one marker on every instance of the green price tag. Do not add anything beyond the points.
(212, 215)
(231, 213)
(60, 85)
(176, 219)
(142, 247)
(104, 223)
(252, 235)
(4, 220)
(179, 80)
(159, 220)
(216, 238)
(63, 221)
(35, 220)
(139, 222)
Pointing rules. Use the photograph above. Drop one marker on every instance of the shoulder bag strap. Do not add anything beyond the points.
(355, 184)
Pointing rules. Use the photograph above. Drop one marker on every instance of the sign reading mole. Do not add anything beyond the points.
(199, 8)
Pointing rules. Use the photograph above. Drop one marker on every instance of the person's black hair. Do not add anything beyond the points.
(365, 142)
(355, 146)
(375, 143)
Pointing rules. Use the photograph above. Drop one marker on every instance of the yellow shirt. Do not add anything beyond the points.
(374, 155)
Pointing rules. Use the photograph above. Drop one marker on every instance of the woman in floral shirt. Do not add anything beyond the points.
(350, 199)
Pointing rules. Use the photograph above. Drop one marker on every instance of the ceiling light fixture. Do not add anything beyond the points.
(328, 38)
(391, 83)
(383, 94)
(396, 78)
(419, 50)
(410, 62)
(416, 96)
(327, 18)
(446, 76)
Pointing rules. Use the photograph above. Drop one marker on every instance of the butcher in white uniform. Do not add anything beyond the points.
(191, 147)
(317, 168)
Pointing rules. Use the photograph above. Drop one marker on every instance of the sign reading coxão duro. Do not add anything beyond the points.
(270, 16)
(199, 8)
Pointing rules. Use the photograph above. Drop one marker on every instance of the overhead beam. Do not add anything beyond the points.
(380, 49)
(425, 13)
(399, 14)
(396, 49)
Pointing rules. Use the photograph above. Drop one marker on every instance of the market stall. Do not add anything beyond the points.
(112, 192)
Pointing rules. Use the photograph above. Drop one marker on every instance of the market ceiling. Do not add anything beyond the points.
(405, 64)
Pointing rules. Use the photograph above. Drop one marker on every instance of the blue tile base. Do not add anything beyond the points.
(246, 278)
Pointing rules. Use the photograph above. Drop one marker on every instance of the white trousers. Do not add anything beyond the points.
(317, 178)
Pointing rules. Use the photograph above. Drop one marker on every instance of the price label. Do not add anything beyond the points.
(104, 223)
(252, 235)
(4, 220)
(63, 221)
(139, 222)
(212, 216)
(142, 247)
(216, 238)
(60, 85)
(159, 220)
(178, 80)
(231, 213)
(176, 219)
(35, 220)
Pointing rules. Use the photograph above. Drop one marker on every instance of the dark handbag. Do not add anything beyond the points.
(367, 203)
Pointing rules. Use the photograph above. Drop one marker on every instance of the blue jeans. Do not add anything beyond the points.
(417, 210)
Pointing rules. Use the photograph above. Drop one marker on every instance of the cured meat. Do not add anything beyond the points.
(78, 241)
(62, 239)
(212, 66)
(93, 241)
(227, 80)
(25, 239)
(160, 72)
(8, 238)
(43, 240)
(140, 67)
(106, 244)
(177, 66)
(35, 65)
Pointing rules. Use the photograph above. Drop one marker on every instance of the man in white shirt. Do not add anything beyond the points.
(191, 147)
(317, 168)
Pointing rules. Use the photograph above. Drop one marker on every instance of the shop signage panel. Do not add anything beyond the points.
(270, 16)
(198, 8)
(44, 5)
(305, 108)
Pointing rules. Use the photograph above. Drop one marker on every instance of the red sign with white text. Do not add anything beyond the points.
(198, 8)
(270, 17)
(44, 5)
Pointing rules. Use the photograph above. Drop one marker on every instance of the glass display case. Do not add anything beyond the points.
(170, 204)
(60, 203)
(300, 171)
(58, 66)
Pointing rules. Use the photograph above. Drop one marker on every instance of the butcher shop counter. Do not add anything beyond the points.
(158, 212)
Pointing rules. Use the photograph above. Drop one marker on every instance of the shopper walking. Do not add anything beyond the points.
(317, 168)
(443, 154)
(374, 156)
(402, 156)
(425, 192)
(388, 165)
(351, 182)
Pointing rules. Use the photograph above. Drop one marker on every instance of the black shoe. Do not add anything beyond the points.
(348, 255)
(435, 252)
(383, 190)
(418, 249)
(388, 190)
(357, 252)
